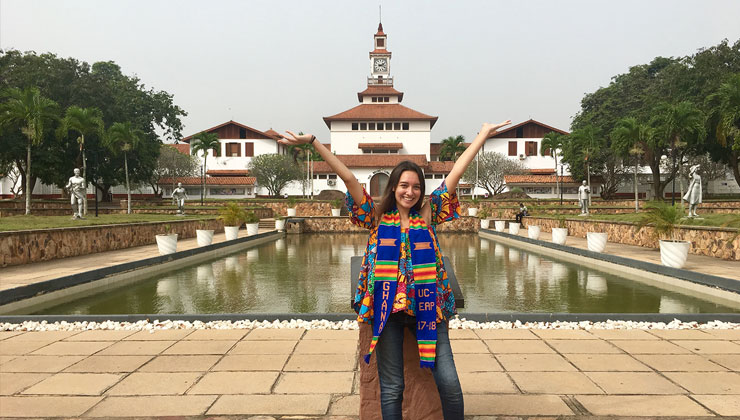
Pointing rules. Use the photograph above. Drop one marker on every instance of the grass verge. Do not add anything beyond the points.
(12, 223)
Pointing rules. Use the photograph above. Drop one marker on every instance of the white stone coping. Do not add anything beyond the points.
(322, 324)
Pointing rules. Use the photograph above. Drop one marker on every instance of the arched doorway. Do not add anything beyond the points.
(377, 184)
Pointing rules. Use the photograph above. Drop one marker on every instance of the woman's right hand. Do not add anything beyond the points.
(294, 140)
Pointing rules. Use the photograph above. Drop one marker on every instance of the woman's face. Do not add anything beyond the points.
(408, 190)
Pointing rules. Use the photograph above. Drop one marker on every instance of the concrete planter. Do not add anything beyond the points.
(472, 211)
(596, 241)
(559, 235)
(205, 237)
(280, 225)
(484, 223)
(336, 212)
(291, 212)
(533, 231)
(500, 225)
(514, 228)
(232, 232)
(167, 244)
(674, 253)
(252, 228)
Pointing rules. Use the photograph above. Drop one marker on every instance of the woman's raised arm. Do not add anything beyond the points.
(464, 160)
(353, 186)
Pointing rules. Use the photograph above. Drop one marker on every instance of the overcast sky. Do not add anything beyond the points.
(286, 64)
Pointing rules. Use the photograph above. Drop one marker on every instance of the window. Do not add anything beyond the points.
(216, 151)
(388, 126)
(355, 126)
(439, 176)
(547, 152)
(405, 126)
(512, 148)
(363, 126)
(226, 191)
(332, 176)
(530, 148)
(242, 133)
(375, 99)
(381, 42)
(428, 176)
(386, 99)
(396, 126)
(248, 149)
(233, 149)
(371, 126)
(520, 132)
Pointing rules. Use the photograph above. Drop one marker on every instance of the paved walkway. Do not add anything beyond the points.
(296, 372)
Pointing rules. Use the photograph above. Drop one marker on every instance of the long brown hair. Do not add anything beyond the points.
(388, 200)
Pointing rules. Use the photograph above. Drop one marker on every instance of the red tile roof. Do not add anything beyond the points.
(391, 146)
(439, 167)
(380, 90)
(218, 180)
(541, 171)
(227, 172)
(380, 30)
(182, 148)
(514, 127)
(371, 161)
(274, 134)
(375, 112)
(188, 138)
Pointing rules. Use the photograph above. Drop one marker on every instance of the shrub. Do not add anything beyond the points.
(483, 213)
(664, 218)
(250, 217)
(232, 214)
(336, 204)
(292, 202)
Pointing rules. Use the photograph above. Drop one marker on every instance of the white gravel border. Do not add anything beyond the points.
(322, 324)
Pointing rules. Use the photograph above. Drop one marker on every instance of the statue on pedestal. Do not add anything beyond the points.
(583, 192)
(179, 195)
(77, 193)
(693, 194)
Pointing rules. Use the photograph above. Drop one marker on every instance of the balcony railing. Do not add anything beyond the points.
(374, 81)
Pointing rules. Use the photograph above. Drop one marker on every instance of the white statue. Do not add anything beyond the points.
(583, 192)
(693, 194)
(77, 193)
(179, 195)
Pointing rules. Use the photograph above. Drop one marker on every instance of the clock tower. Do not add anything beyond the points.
(380, 61)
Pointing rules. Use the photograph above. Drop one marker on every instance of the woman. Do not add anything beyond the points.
(403, 283)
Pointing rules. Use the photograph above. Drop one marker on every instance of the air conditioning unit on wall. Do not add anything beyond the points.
(331, 182)
(521, 157)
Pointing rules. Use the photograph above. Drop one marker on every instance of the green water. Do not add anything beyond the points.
(310, 273)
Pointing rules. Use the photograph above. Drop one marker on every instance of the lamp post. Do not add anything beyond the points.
(561, 184)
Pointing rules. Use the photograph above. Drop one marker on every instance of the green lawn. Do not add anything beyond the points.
(46, 222)
(709, 219)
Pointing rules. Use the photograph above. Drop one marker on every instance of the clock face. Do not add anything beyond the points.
(381, 64)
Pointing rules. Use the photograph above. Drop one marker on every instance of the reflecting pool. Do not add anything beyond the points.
(310, 273)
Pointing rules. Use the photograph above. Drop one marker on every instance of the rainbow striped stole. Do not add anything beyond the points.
(385, 276)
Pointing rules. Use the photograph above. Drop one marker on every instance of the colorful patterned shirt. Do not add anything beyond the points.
(445, 207)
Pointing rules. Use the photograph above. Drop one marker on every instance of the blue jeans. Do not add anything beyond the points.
(389, 353)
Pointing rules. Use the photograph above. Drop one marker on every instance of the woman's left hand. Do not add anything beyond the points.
(490, 129)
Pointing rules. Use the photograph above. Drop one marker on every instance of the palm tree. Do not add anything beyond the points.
(725, 105)
(28, 108)
(452, 148)
(85, 121)
(124, 138)
(553, 142)
(205, 141)
(679, 123)
(630, 138)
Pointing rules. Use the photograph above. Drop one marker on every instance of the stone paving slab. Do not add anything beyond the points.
(315, 375)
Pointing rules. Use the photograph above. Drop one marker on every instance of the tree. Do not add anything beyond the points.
(122, 137)
(203, 142)
(274, 172)
(552, 142)
(678, 126)
(630, 138)
(452, 148)
(83, 121)
(492, 167)
(725, 121)
(29, 109)
(172, 164)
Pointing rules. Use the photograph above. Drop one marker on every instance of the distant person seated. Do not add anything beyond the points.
(522, 213)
